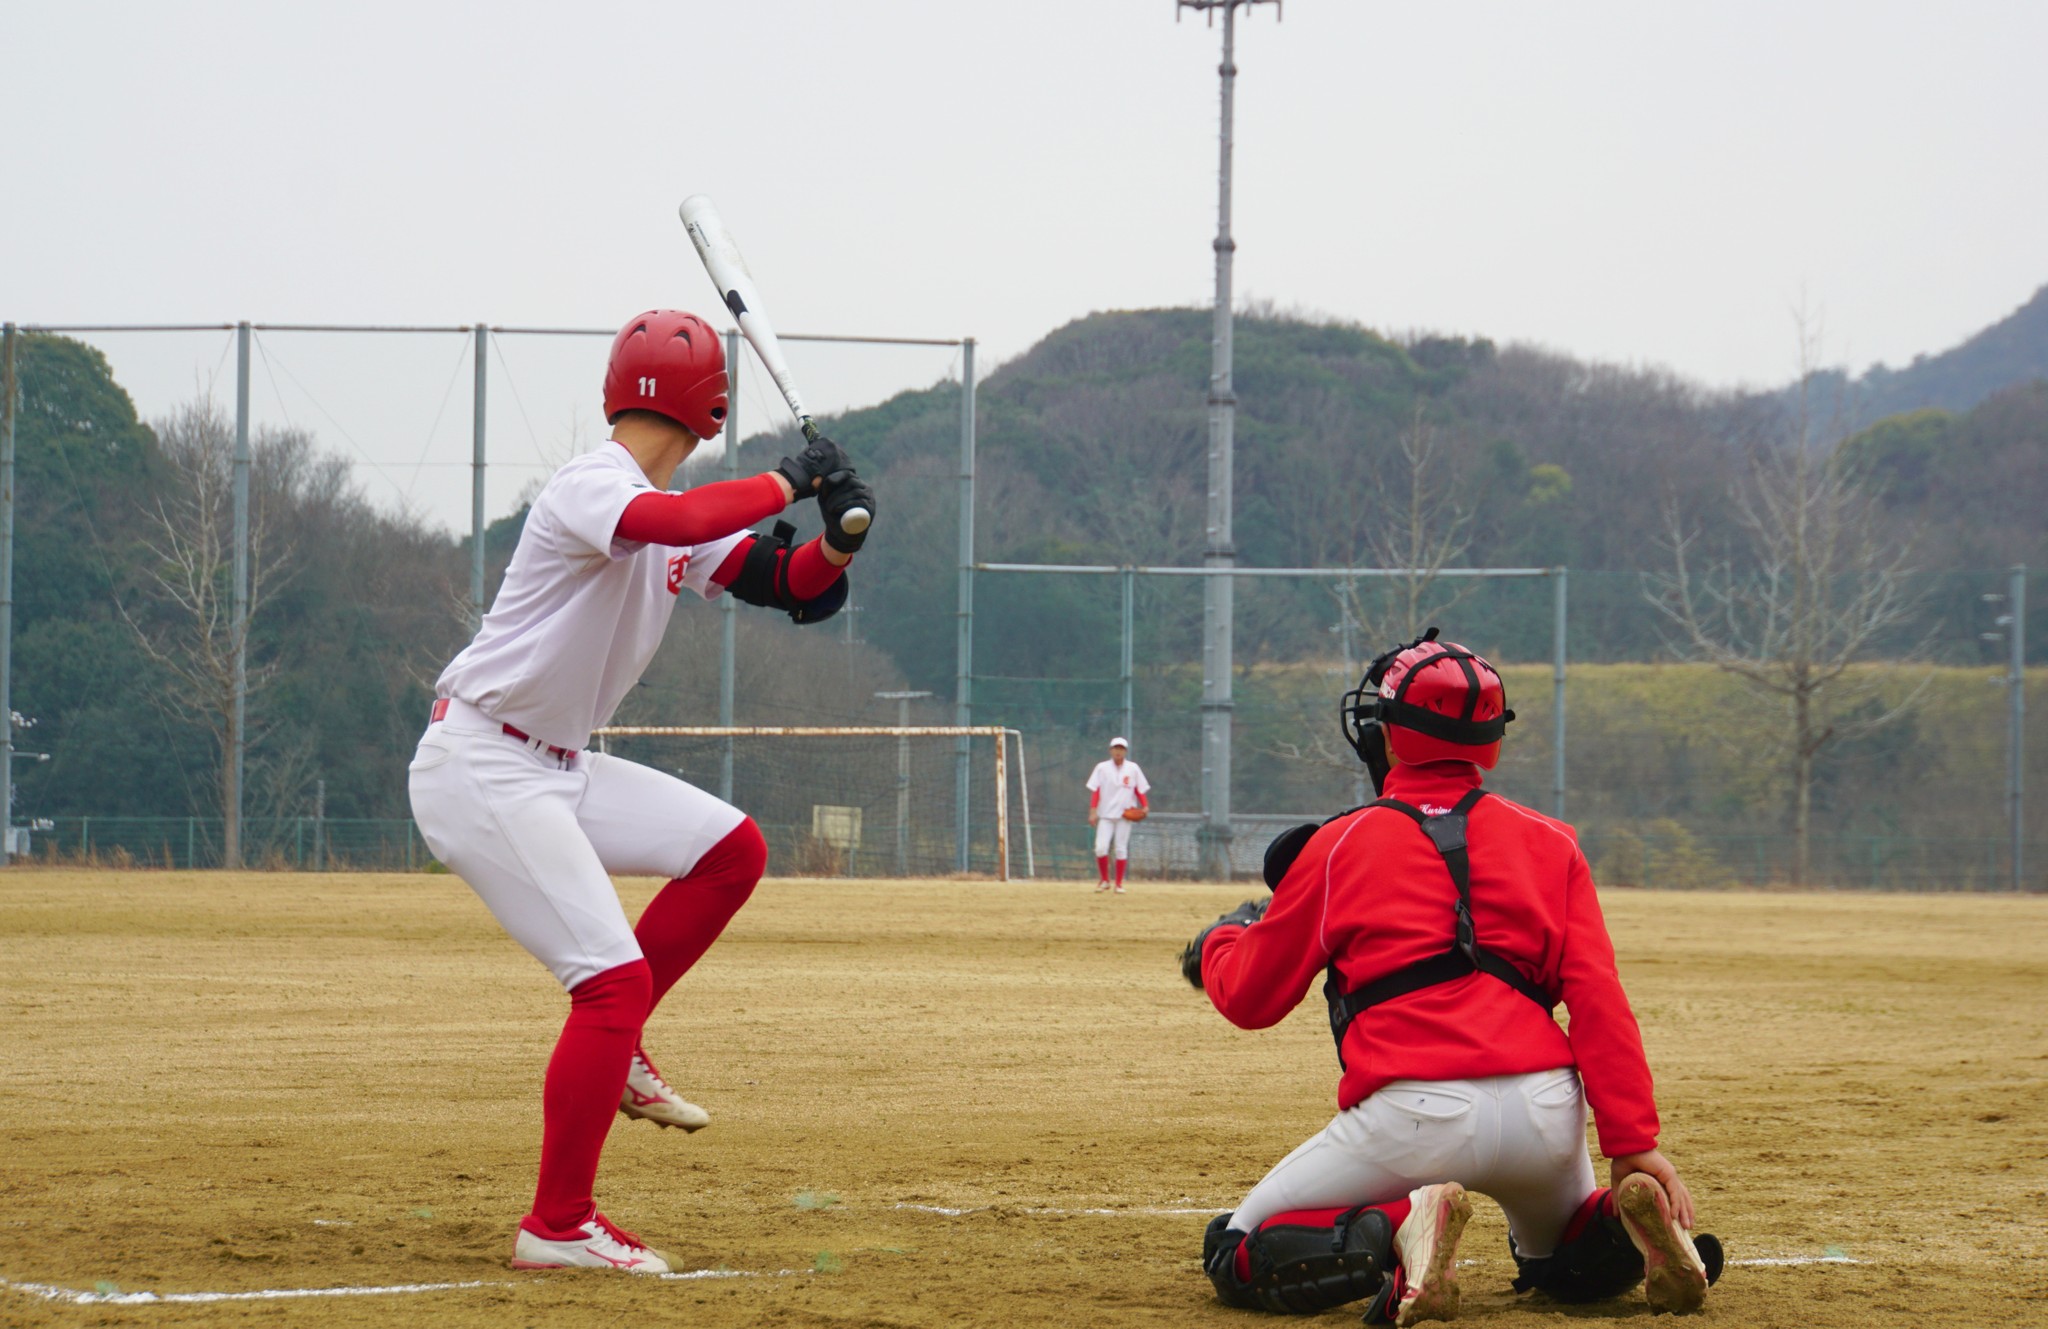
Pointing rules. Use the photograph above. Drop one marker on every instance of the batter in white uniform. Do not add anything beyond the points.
(1114, 787)
(506, 796)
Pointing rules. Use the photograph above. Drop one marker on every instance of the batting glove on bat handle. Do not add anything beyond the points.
(848, 506)
(807, 470)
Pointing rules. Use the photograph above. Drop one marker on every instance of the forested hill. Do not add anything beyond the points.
(1092, 449)
(2012, 350)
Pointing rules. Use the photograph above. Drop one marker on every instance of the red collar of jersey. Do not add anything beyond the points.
(1437, 783)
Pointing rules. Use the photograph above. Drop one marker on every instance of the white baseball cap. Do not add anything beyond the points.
(1118, 742)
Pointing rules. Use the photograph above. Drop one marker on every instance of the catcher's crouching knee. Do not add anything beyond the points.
(1300, 1263)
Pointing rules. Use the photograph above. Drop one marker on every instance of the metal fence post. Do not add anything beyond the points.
(728, 623)
(2016, 721)
(1557, 655)
(476, 484)
(7, 394)
(1129, 580)
(963, 679)
(239, 714)
(1002, 811)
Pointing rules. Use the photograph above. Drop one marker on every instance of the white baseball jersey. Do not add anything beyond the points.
(580, 614)
(1118, 787)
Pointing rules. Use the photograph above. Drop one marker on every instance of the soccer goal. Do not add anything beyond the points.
(864, 800)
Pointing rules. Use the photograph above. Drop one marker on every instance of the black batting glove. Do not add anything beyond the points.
(843, 492)
(807, 470)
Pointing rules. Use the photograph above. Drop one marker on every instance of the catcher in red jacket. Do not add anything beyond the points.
(1447, 922)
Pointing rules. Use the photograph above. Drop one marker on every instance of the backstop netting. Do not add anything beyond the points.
(859, 801)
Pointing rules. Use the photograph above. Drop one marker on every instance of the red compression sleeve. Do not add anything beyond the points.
(694, 516)
(810, 574)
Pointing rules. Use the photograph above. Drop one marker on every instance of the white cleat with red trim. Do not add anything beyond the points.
(1426, 1252)
(648, 1097)
(598, 1243)
(1675, 1278)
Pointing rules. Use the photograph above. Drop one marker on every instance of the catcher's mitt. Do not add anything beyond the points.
(1246, 914)
(1134, 814)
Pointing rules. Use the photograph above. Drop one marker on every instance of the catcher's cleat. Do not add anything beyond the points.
(648, 1097)
(1675, 1277)
(597, 1243)
(1426, 1254)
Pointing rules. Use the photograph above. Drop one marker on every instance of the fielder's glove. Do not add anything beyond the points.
(807, 470)
(1135, 814)
(843, 492)
(1246, 914)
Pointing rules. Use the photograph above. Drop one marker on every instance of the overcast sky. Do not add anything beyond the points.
(1648, 183)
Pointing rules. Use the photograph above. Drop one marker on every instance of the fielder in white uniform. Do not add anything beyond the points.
(1114, 787)
(506, 796)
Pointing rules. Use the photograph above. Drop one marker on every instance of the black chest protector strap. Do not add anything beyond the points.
(1465, 955)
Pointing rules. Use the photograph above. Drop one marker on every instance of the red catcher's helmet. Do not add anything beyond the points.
(1438, 701)
(670, 363)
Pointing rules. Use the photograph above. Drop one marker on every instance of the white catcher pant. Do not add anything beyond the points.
(1113, 828)
(538, 837)
(1520, 1139)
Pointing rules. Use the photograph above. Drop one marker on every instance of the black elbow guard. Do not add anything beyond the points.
(764, 580)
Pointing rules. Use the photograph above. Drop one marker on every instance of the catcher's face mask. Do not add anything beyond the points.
(1358, 711)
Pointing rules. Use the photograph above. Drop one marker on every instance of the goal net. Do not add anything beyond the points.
(866, 801)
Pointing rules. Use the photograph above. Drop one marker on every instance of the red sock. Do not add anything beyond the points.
(1599, 1204)
(686, 917)
(1119, 872)
(1102, 867)
(1395, 1210)
(585, 1077)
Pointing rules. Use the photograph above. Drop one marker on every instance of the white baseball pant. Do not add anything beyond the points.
(537, 837)
(1116, 829)
(1519, 1139)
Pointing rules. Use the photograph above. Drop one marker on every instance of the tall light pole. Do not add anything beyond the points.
(1220, 549)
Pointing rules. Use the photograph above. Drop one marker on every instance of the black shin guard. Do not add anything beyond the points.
(1599, 1263)
(1301, 1269)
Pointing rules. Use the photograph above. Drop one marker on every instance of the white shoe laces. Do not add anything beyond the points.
(647, 1068)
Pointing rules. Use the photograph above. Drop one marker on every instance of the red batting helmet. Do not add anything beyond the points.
(1436, 700)
(670, 363)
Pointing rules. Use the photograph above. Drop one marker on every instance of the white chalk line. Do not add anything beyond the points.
(1771, 1261)
(50, 1292)
(79, 1297)
(1053, 1213)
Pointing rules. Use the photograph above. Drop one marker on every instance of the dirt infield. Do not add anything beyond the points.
(935, 1104)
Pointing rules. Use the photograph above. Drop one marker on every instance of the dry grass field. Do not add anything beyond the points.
(935, 1104)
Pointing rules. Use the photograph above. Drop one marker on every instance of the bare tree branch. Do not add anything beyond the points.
(1818, 585)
